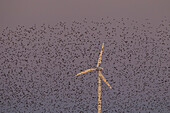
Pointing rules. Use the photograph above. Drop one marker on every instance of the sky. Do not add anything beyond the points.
(45, 43)
(41, 11)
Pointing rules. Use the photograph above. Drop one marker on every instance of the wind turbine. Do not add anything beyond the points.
(100, 76)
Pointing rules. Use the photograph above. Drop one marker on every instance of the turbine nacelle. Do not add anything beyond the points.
(99, 69)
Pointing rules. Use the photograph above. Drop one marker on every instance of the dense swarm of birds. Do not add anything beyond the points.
(38, 64)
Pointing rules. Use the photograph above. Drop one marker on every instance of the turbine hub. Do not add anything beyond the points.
(99, 69)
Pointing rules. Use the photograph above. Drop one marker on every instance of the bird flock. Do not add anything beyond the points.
(38, 64)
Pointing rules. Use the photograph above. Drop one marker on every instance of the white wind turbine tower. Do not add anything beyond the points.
(100, 76)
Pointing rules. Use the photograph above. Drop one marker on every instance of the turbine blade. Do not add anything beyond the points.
(100, 56)
(86, 71)
(102, 77)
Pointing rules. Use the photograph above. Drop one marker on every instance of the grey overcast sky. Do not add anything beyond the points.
(13, 12)
(38, 64)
